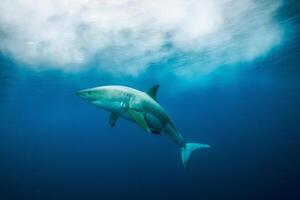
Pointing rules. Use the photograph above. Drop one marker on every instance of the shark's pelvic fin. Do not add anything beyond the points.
(188, 149)
(113, 118)
(139, 118)
(152, 92)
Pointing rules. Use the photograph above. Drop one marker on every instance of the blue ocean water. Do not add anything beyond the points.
(53, 145)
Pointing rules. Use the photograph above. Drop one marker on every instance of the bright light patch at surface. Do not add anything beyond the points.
(126, 36)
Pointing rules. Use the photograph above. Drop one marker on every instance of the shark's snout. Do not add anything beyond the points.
(83, 94)
(88, 94)
(80, 93)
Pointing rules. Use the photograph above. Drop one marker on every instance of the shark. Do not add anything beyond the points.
(141, 108)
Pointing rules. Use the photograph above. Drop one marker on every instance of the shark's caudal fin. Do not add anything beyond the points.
(188, 149)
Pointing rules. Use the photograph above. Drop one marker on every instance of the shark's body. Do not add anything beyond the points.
(141, 108)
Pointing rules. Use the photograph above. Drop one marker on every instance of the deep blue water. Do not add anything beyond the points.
(53, 145)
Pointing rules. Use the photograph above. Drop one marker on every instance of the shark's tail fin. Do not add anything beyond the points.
(188, 149)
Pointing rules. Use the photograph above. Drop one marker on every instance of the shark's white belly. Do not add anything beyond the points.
(153, 122)
(155, 117)
(126, 116)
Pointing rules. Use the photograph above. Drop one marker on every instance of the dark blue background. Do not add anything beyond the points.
(53, 145)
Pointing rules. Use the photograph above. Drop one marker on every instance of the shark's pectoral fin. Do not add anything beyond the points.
(139, 118)
(113, 118)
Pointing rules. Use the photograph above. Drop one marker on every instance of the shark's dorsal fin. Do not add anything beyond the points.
(152, 92)
(113, 119)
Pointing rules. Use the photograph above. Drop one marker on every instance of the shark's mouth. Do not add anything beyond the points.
(93, 99)
(99, 101)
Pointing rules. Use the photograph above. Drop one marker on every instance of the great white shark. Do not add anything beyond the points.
(141, 108)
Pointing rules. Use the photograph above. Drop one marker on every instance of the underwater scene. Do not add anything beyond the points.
(126, 99)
